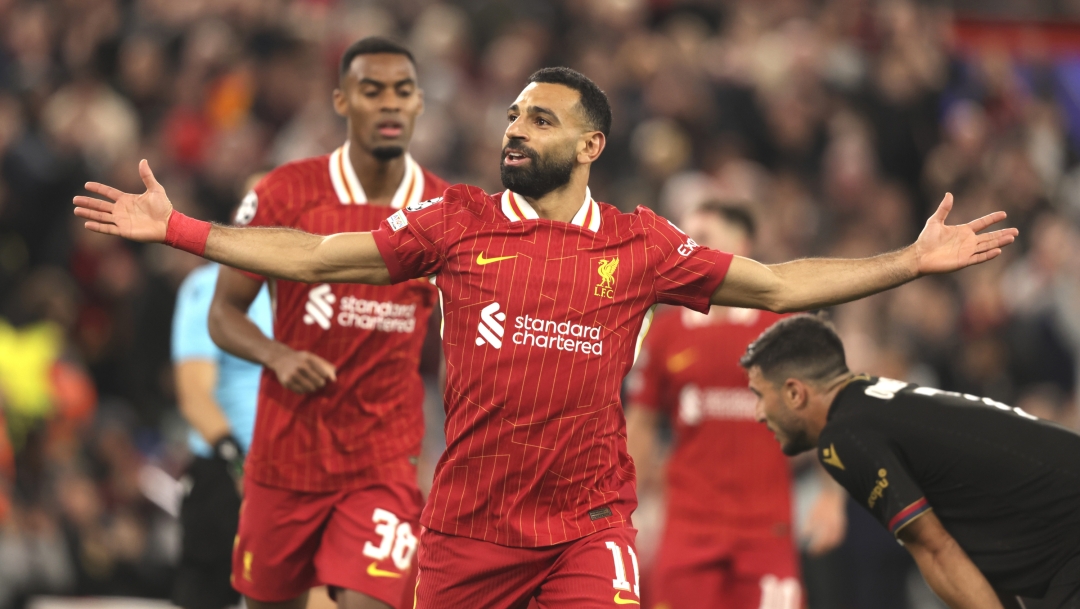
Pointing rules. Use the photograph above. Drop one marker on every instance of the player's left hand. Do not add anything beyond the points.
(942, 249)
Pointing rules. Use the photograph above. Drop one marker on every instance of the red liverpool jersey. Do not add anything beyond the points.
(726, 473)
(338, 437)
(542, 320)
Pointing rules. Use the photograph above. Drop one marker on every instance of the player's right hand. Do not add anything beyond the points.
(142, 217)
(302, 371)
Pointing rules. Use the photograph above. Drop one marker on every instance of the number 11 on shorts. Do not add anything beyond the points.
(620, 582)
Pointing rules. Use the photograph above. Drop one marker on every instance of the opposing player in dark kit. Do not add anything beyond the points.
(547, 295)
(330, 488)
(986, 497)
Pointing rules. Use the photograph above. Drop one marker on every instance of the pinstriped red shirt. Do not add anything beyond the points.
(357, 428)
(542, 320)
(726, 474)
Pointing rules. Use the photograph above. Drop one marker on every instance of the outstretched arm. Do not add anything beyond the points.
(273, 252)
(813, 283)
(285, 253)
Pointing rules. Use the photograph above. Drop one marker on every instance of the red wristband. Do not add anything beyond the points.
(186, 233)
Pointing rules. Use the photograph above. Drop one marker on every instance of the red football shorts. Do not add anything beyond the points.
(598, 571)
(362, 539)
(696, 571)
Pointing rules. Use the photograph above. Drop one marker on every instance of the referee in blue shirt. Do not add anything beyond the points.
(217, 394)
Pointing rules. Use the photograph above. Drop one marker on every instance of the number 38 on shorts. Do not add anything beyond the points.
(396, 541)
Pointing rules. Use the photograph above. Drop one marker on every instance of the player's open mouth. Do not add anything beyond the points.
(514, 158)
(390, 129)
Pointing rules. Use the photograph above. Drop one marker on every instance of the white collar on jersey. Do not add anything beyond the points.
(348, 188)
(515, 207)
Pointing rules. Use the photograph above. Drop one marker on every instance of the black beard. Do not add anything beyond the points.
(795, 438)
(386, 153)
(538, 178)
(798, 443)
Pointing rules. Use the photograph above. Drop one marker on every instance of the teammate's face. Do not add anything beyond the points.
(380, 98)
(546, 139)
(714, 232)
(774, 408)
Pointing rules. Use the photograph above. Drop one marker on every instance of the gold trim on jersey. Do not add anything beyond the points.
(516, 208)
(349, 190)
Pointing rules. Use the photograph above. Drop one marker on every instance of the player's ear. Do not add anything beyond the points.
(341, 105)
(420, 95)
(591, 145)
(795, 394)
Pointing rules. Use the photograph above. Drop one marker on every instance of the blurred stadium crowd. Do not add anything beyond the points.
(841, 122)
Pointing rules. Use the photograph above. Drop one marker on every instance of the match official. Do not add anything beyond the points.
(986, 497)
(217, 394)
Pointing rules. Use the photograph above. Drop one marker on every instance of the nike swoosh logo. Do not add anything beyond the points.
(619, 600)
(681, 361)
(482, 261)
(375, 571)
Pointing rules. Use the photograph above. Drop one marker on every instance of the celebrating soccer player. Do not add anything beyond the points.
(986, 497)
(547, 295)
(330, 484)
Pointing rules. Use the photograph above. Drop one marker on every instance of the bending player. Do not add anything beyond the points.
(546, 297)
(330, 489)
(985, 497)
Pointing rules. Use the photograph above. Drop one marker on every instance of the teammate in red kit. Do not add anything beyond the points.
(727, 538)
(330, 491)
(547, 295)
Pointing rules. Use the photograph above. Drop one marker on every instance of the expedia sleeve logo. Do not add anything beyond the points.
(687, 248)
(879, 488)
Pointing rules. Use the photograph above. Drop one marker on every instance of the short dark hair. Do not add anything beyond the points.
(372, 45)
(802, 346)
(732, 213)
(594, 102)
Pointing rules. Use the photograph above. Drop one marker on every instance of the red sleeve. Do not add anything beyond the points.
(645, 383)
(411, 242)
(685, 273)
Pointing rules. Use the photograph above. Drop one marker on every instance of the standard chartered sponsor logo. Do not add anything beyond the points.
(560, 335)
(358, 313)
(374, 315)
(490, 327)
(320, 306)
(697, 404)
(534, 332)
